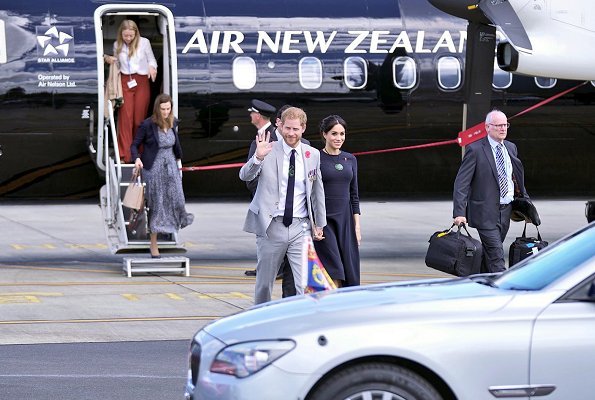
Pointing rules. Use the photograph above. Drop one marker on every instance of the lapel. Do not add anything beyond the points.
(156, 133)
(487, 149)
(309, 168)
(279, 156)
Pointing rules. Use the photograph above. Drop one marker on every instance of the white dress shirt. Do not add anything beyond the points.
(140, 62)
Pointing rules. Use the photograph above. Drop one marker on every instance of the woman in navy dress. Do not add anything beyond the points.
(339, 250)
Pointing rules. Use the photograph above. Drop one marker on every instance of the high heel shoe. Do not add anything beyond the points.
(157, 256)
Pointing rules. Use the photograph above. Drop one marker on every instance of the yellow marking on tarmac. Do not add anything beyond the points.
(86, 246)
(241, 295)
(174, 296)
(46, 246)
(25, 297)
(131, 297)
(203, 246)
(18, 299)
(218, 296)
(83, 321)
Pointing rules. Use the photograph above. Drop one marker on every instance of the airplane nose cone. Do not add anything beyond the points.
(466, 9)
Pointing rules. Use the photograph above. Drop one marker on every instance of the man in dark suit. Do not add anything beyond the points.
(489, 178)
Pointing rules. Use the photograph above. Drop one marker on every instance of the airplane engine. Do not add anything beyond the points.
(571, 59)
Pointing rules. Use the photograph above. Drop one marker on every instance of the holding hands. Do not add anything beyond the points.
(317, 233)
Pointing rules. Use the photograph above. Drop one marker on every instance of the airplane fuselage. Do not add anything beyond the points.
(393, 69)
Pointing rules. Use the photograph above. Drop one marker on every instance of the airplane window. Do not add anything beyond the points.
(355, 72)
(545, 83)
(449, 72)
(404, 72)
(502, 79)
(244, 72)
(310, 69)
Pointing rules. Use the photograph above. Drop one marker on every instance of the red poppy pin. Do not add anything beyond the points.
(307, 154)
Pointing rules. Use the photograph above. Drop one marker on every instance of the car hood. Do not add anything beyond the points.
(364, 304)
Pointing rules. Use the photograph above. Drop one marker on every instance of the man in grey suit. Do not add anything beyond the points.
(490, 176)
(289, 194)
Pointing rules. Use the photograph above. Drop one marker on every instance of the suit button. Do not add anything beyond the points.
(270, 216)
(277, 203)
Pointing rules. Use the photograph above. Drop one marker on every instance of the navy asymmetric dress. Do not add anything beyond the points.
(339, 252)
(164, 193)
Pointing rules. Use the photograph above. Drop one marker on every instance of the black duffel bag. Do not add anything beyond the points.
(524, 247)
(454, 252)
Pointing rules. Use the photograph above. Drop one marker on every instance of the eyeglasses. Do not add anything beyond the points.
(501, 126)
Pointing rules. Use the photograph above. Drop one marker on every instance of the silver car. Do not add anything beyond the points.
(528, 333)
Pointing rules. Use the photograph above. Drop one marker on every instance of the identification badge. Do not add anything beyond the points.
(132, 83)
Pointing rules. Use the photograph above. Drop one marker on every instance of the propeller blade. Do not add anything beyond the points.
(501, 13)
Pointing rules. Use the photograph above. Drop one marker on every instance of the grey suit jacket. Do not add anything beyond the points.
(476, 192)
(266, 199)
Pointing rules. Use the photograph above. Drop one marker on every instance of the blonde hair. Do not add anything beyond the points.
(294, 113)
(127, 24)
(167, 123)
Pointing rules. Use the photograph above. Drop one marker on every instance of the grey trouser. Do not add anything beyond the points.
(492, 239)
(270, 251)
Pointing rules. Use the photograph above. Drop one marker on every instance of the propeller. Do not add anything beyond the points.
(496, 12)
(501, 13)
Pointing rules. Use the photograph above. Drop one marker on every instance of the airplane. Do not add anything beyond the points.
(394, 69)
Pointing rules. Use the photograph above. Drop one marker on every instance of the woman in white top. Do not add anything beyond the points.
(137, 65)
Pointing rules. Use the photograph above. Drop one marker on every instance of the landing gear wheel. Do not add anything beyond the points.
(375, 381)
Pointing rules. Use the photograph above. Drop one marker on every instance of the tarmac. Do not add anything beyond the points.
(59, 283)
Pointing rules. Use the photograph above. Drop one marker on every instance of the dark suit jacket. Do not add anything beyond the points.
(476, 191)
(147, 135)
(251, 185)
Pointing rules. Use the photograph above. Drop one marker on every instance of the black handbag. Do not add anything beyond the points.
(524, 247)
(454, 252)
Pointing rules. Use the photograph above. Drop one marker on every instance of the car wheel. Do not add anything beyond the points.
(375, 381)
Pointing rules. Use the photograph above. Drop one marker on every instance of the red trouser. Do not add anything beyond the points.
(132, 112)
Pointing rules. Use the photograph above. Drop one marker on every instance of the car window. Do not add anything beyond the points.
(552, 263)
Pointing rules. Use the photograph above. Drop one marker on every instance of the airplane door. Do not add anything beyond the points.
(156, 23)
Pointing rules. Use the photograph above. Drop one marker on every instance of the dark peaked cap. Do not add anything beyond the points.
(262, 108)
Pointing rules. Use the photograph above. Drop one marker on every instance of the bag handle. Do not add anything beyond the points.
(462, 225)
(525, 232)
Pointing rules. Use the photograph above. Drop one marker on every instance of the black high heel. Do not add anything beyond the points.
(157, 256)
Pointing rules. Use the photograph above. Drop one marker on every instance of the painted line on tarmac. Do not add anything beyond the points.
(111, 320)
(25, 297)
(174, 296)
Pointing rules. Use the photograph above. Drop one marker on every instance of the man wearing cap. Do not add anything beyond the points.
(490, 176)
(260, 115)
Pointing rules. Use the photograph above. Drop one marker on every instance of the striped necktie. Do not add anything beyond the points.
(502, 181)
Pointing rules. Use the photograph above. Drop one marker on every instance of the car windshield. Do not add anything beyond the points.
(550, 264)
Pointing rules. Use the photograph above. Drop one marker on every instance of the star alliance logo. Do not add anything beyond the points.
(55, 45)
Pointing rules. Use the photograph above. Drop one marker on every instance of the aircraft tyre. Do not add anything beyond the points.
(374, 381)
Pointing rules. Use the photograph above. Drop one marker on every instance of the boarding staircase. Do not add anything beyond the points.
(122, 236)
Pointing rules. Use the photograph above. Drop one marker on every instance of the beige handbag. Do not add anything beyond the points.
(135, 194)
